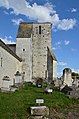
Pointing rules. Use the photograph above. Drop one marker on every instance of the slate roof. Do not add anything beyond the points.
(25, 30)
(4, 46)
(52, 54)
(12, 47)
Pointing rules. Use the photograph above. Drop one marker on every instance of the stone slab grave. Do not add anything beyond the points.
(5, 84)
(48, 90)
(39, 112)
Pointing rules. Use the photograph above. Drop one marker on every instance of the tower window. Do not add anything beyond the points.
(39, 29)
(23, 49)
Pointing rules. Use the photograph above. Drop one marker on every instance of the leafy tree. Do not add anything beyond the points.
(74, 75)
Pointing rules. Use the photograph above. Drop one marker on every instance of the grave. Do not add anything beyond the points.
(5, 84)
(39, 112)
(18, 79)
(48, 90)
(39, 82)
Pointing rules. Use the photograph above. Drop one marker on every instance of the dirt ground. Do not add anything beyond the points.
(69, 113)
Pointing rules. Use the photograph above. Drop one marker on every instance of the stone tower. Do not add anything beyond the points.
(34, 44)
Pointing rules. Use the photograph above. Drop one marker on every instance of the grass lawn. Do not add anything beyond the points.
(17, 105)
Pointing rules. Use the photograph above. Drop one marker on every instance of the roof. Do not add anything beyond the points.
(4, 46)
(12, 47)
(52, 54)
(35, 23)
(25, 29)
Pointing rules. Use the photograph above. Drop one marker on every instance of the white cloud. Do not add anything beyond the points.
(37, 12)
(66, 24)
(58, 43)
(75, 70)
(5, 12)
(66, 42)
(7, 40)
(74, 49)
(62, 64)
(73, 10)
(10, 37)
(17, 21)
(54, 48)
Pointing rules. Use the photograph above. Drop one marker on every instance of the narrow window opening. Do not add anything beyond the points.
(39, 29)
(1, 61)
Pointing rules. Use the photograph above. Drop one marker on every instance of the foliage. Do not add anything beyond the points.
(75, 75)
(16, 105)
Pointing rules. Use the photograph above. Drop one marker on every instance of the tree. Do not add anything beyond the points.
(75, 75)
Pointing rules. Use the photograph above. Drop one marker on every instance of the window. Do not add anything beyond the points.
(23, 49)
(39, 29)
(1, 61)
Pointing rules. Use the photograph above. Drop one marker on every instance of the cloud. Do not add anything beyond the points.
(7, 40)
(66, 42)
(54, 48)
(74, 49)
(5, 12)
(73, 10)
(75, 70)
(37, 12)
(62, 64)
(17, 21)
(66, 24)
(58, 43)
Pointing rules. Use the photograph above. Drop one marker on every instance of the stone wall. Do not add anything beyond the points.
(9, 65)
(49, 65)
(24, 51)
(40, 42)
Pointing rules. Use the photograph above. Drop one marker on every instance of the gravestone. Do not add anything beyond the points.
(5, 84)
(39, 112)
(39, 82)
(18, 79)
(67, 77)
(48, 90)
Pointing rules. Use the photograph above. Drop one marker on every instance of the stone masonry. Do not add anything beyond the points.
(34, 46)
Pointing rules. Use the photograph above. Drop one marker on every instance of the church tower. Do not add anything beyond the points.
(41, 40)
(34, 46)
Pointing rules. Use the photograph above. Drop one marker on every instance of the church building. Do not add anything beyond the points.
(32, 54)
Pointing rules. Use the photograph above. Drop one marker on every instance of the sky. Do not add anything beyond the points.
(64, 16)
